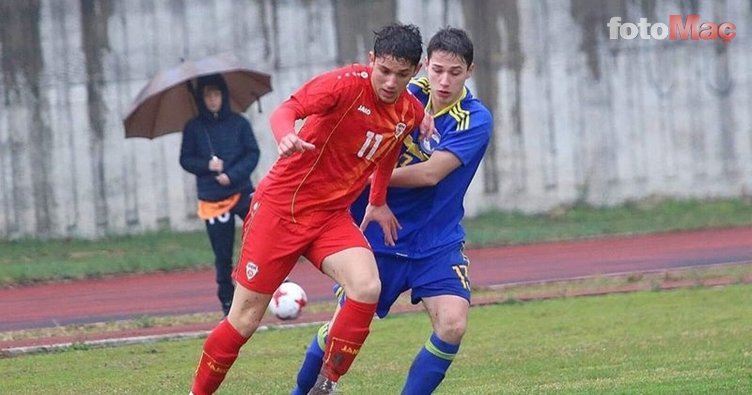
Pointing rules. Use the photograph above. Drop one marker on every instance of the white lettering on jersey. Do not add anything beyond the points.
(364, 110)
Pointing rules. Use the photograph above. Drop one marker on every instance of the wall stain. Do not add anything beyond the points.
(592, 16)
(355, 22)
(494, 50)
(129, 166)
(22, 64)
(13, 27)
(265, 28)
(95, 42)
(275, 34)
(722, 86)
(60, 16)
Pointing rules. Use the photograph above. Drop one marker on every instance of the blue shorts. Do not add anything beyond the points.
(444, 273)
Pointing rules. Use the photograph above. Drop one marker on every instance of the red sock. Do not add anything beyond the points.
(346, 336)
(220, 351)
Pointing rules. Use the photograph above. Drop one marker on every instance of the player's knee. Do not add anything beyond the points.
(365, 290)
(244, 319)
(245, 325)
(452, 329)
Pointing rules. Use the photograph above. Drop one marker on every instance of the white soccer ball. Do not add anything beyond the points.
(288, 301)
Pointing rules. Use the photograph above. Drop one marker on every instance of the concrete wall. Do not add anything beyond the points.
(579, 117)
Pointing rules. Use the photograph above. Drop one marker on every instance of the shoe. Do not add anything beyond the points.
(323, 386)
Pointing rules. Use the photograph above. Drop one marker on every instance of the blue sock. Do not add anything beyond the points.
(309, 370)
(429, 366)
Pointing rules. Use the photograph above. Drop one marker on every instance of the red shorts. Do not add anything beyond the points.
(272, 244)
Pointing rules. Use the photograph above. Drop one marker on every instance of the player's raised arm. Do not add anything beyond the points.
(282, 122)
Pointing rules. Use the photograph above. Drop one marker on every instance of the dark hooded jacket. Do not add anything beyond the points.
(225, 134)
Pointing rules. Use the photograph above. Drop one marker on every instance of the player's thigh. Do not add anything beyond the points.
(342, 252)
(270, 248)
(355, 269)
(336, 233)
(447, 307)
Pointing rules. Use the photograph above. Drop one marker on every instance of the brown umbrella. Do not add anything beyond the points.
(167, 102)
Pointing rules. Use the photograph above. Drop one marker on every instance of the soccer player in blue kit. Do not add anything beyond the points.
(426, 193)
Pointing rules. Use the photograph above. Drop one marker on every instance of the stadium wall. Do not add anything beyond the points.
(579, 117)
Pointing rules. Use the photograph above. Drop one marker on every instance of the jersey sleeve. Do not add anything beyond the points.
(383, 172)
(469, 135)
(381, 176)
(316, 96)
(420, 88)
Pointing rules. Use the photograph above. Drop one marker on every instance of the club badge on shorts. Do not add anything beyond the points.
(250, 270)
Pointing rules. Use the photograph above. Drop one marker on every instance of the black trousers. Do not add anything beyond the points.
(221, 232)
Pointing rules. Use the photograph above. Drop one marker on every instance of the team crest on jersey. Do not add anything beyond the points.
(399, 129)
(250, 270)
(429, 144)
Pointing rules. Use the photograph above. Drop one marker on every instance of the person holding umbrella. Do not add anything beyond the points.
(220, 149)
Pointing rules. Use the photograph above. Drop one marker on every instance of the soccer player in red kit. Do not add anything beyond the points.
(356, 118)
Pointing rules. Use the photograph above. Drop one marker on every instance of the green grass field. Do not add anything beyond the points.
(29, 261)
(691, 341)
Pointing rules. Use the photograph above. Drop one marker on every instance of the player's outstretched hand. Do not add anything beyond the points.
(385, 218)
(427, 127)
(291, 143)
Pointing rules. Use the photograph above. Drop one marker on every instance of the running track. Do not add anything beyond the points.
(107, 299)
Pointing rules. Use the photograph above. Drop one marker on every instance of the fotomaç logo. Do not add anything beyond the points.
(677, 29)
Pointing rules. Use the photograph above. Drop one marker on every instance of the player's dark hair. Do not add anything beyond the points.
(399, 42)
(454, 41)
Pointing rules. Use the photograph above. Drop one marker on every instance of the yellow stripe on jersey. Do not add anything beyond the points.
(455, 110)
(461, 116)
(423, 84)
(414, 149)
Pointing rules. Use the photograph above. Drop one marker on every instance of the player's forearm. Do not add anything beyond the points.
(282, 120)
(414, 176)
(381, 177)
(428, 173)
(379, 183)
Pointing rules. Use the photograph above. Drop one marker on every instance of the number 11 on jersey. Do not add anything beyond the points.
(371, 137)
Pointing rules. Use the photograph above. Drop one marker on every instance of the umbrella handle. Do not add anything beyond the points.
(215, 157)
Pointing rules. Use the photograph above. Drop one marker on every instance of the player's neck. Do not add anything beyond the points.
(435, 108)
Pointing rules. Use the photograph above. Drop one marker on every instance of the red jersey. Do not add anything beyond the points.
(354, 133)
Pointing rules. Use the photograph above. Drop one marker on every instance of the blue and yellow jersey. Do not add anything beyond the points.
(431, 216)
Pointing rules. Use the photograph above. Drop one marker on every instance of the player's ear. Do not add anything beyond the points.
(417, 69)
(371, 59)
(470, 70)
